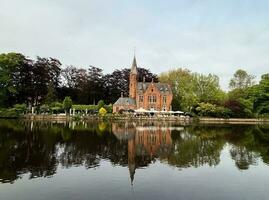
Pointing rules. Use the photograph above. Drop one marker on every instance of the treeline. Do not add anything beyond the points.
(201, 94)
(46, 80)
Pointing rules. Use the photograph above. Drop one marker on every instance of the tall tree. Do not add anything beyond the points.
(241, 80)
(69, 76)
(23, 81)
(118, 81)
(191, 88)
(114, 85)
(96, 84)
(261, 93)
(45, 71)
(11, 67)
(81, 84)
(147, 74)
(51, 94)
(182, 84)
(71, 83)
(207, 88)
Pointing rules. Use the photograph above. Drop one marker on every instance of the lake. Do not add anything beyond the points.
(133, 160)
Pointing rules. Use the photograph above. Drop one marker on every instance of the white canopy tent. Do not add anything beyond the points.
(142, 110)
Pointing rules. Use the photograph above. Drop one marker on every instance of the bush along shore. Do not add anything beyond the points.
(66, 110)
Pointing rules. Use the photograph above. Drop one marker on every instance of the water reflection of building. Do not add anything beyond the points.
(144, 143)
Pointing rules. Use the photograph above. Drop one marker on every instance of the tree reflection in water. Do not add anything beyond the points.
(38, 148)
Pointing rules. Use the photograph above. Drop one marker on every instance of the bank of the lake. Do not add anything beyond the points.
(111, 117)
(233, 120)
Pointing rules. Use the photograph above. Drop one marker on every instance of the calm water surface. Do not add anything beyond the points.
(80, 161)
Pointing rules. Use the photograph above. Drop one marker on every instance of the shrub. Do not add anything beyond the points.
(84, 107)
(67, 103)
(9, 113)
(205, 109)
(77, 117)
(240, 107)
(212, 110)
(56, 107)
(100, 104)
(109, 108)
(102, 111)
(44, 108)
(20, 108)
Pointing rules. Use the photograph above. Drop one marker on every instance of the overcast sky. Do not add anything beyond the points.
(201, 35)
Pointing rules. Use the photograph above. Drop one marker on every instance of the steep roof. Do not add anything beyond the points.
(164, 88)
(125, 101)
(134, 67)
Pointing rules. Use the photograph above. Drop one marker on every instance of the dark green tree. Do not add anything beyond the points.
(95, 84)
(10, 65)
(51, 95)
(45, 71)
(261, 92)
(67, 103)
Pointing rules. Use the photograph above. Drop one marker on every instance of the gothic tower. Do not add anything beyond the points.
(131, 158)
(133, 80)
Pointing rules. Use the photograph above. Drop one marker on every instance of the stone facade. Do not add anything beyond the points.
(147, 95)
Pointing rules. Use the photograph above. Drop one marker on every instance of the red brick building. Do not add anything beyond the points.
(144, 142)
(146, 95)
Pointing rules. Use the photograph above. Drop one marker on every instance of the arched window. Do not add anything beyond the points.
(152, 98)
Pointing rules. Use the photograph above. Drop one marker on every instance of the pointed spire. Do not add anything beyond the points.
(134, 67)
(132, 172)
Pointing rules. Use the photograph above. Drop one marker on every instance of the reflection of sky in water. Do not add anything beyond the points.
(157, 181)
(157, 177)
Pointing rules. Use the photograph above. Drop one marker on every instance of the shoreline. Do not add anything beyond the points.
(210, 120)
(187, 120)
